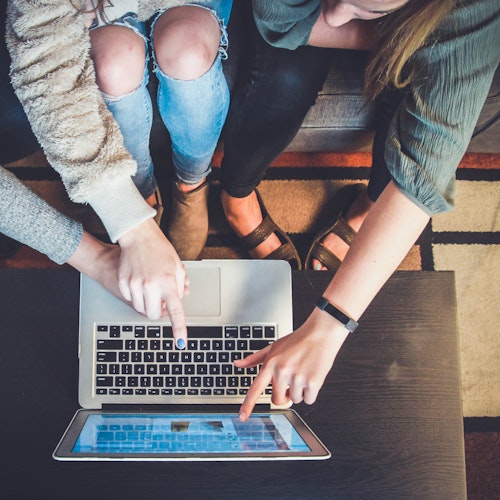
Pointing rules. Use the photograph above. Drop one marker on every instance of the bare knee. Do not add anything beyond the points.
(119, 57)
(186, 42)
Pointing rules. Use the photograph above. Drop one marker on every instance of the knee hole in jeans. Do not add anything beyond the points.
(119, 58)
(186, 49)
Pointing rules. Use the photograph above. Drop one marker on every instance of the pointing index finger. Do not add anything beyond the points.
(261, 381)
(176, 315)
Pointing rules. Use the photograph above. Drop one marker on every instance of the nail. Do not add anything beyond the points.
(317, 267)
(181, 344)
(242, 416)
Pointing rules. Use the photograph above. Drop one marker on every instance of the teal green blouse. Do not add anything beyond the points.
(433, 125)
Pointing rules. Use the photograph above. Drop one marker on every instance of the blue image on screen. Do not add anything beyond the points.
(207, 433)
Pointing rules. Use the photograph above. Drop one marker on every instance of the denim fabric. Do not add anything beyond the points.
(193, 110)
(134, 114)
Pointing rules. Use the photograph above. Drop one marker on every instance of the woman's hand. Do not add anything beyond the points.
(296, 364)
(151, 275)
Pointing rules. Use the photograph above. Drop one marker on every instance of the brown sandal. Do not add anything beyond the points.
(286, 251)
(343, 201)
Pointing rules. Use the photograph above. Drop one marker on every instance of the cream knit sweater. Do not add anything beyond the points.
(53, 76)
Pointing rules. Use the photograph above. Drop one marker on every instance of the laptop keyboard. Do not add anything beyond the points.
(142, 360)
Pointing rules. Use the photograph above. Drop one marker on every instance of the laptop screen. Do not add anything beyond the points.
(185, 433)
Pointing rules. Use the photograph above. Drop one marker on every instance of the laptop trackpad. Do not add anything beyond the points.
(204, 296)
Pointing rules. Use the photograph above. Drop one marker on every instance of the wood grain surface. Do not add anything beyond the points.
(390, 410)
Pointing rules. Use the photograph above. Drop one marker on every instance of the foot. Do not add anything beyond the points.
(355, 217)
(243, 216)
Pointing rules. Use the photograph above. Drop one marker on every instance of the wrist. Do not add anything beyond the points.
(327, 329)
(120, 206)
(140, 232)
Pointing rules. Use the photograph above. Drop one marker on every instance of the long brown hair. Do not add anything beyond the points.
(402, 33)
(99, 6)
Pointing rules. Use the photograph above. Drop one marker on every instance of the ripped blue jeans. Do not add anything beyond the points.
(193, 111)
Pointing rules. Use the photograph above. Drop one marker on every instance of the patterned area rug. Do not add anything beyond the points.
(299, 188)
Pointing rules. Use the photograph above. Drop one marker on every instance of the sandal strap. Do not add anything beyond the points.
(343, 230)
(259, 234)
(327, 258)
(284, 252)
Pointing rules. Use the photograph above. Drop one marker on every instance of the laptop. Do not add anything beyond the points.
(135, 385)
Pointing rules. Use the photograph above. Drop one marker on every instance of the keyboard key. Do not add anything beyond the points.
(245, 332)
(231, 332)
(111, 345)
(104, 381)
(114, 331)
(139, 332)
(257, 332)
(106, 357)
(168, 345)
(153, 332)
(257, 345)
(123, 357)
(269, 332)
(204, 332)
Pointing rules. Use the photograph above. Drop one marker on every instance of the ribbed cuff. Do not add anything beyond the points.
(120, 207)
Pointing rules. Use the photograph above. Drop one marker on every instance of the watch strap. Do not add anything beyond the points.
(341, 317)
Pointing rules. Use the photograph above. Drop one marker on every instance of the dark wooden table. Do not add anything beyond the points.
(390, 410)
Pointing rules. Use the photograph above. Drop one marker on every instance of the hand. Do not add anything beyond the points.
(296, 364)
(152, 276)
(100, 261)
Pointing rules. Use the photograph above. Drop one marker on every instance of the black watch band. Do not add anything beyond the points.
(326, 306)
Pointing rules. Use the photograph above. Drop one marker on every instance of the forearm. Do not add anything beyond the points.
(391, 228)
(25, 217)
(358, 35)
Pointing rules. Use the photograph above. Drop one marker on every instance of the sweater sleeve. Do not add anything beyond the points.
(53, 76)
(25, 217)
(433, 125)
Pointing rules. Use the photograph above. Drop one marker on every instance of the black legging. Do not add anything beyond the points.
(273, 92)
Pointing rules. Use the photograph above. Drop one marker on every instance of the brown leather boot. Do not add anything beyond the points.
(188, 224)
